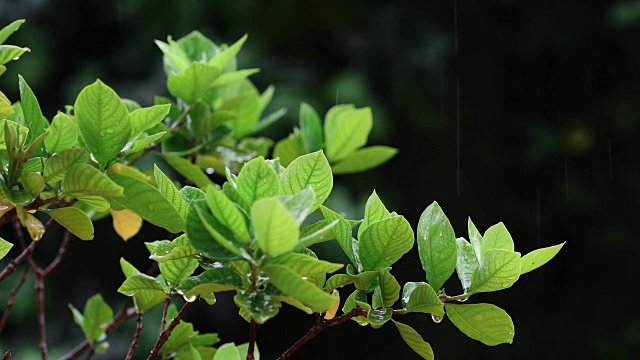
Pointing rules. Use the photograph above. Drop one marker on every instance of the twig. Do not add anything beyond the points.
(7, 355)
(12, 299)
(11, 267)
(252, 339)
(34, 205)
(319, 326)
(164, 335)
(167, 301)
(61, 251)
(41, 318)
(92, 351)
(176, 125)
(136, 338)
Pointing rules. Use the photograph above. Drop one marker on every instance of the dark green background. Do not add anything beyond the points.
(547, 141)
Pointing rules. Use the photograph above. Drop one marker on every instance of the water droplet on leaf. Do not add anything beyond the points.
(110, 131)
(189, 298)
(436, 319)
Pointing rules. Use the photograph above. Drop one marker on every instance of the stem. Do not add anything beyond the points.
(61, 251)
(319, 326)
(176, 125)
(7, 355)
(445, 298)
(252, 339)
(12, 299)
(164, 335)
(136, 338)
(11, 267)
(92, 351)
(41, 318)
(167, 301)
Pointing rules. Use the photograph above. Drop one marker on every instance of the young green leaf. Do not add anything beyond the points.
(289, 149)
(346, 130)
(10, 29)
(103, 121)
(143, 143)
(309, 170)
(149, 203)
(174, 54)
(228, 214)
(342, 234)
(364, 159)
(56, 167)
(5, 109)
(310, 128)
(146, 118)
(384, 242)
(220, 234)
(374, 210)
(8, 53)
(483, 322)
(5, 246)
(361, 281)
(180, 248)
(304, 265)
(496, 237)
(169, 191)
(192, 83)
(32, 182)
(63, 134)
(244, 349)
(147, 292)
(257, 180)
(227, 352)
(498, 270)
(275, 230)
(316, 234)
(260, 306)
(175, 271)
(466, 263)
(233, 76)
(74, 220)
(97, 315)
(199, 236)
(389, 288)
(476, 239)
(293, 285)
(32, 114)
(222, 59)
(127, 269)
(436, 245)
(189, 171)
(539, 257)
(300, 204)
(420, 297)
(210, 281)
(415, 341)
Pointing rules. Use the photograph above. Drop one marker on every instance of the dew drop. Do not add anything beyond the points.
(463, 300)
(110, 131)
(102, 133)
(209, 171)
(189, 298)
(151, 207)
(436, 319)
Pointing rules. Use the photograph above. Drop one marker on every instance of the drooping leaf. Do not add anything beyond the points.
(293, 285)
(10, 52)
(415, 341)
(189, 171)
(333, 310)
(374, 210)
(436, 245)
(384, 242)
(192, 83)
(364, 159)
(498, 270)
(345, 130)
(260, 306)
(56, 166)
(496, 237)
(149, 203)
(63, 134)
(103, 121)
(466, 263)
(309, 170)
(170, 192)
(84, 179)
(126, 223)
(420, 297)
(304, 265)
(539, 257)
(190, 193)
(275, 230)
(361, 281)
(212, 280)
(227, 213)
(483, 322)
(74, 220)
(31, 223)
(130, 171)
(97, 315)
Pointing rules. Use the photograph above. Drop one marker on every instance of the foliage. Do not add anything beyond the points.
(248, 231)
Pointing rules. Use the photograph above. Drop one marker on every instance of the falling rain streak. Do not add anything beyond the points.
(610, 160)
(566, 176)
(455, 36)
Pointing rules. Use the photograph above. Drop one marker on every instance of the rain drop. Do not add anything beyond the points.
(151, 207)
(189, 298)
(463, 299)
(209, 171)
(436, 319)
(110, 131)
(102, 133)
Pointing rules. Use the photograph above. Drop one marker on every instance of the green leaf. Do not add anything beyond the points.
(10, 29)
(275, 230)
(143, 143)
(74, 220)
(56, 167)
(289, 149)
(96, 202)
(146, 118)
(34, 227)
(244, 349)
(364, 159)
(127, 269)
(103, 121)
(32, 182)
(483, 322)
(175, 54)
(63, 134)
(293, 285)
(146, 290)
(84, 179)
(97, 316)
(149, 203)
(169, 191)
(374, 210)
(436, 245)
(5, 108)
(498, 270)
(420, 297)
(378, 317)
(359, 298)
(342, 233)
(300, 204)
(305, 265)
(384, 242)
(415, 341)
(466, 263)
(228, 214)
(222, 59)
(389, 288)
(5, 246)
(310, 128)
(192, 83)
(233, 76)
(180, 248)
(210, 281)
(476, 239)
(102, 347)
(361, 281)
(10, 52)
(309, 170)
(259, 305)
(189, 171)
(199, 236)
(496, 237)
(77, 316)
(345, 130)
(177, 265)
(31, 110)
(322, 233)
(257, 180)
(221, 235)
(227, 352)
(537, 258)
(35, 164)
(190, 193)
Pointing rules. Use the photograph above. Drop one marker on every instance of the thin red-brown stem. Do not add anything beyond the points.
(61, 251)
(252, 339)
(136, 338)
(7, 355)
(12, 298)
(319, 325)
(36, 204)
(167, 301)
(11, 267)
(164, 335)
(41, 318)
(92, 351)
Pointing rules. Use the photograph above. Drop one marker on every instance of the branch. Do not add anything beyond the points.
(12, 299)
(167, 301)
(176, 125)
(252, 339)
(164, 336)
(319, 326)
(11, 267)
(136, 338)
(41, 318)
(61, 251)
(7, 355)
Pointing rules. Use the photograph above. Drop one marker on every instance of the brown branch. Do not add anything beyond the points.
(11, 267)
(319, 326)
(41, 318)
(167, 301)
(33, 206)
(12, 299)
(136, 338)
(7, 355)
(252, 339)
(164, 335)
(61, 251)
(92, 351)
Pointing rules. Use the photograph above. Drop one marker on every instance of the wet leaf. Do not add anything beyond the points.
(275, 230)
(466, 263)
(498, 270)
(210, 281)
(539, 257)
(309, 170)
(97, 316)
(84, 179)
(384, 242)
(260, 306)
(436, 245)
(496, 237)
(483, 322)
(63, 134)
(414, 340)
(420, 297)
(293, 285)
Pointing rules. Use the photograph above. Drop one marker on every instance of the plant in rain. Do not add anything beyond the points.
(238, 220)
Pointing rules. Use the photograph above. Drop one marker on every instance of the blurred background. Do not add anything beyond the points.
(526, 112)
